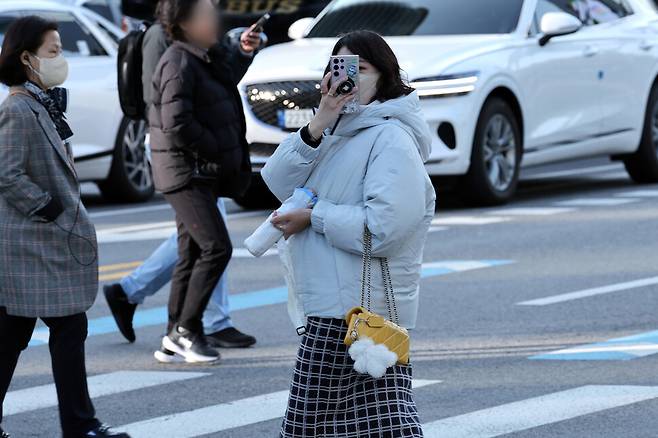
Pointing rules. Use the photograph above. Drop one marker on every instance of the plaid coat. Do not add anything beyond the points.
(39, 277)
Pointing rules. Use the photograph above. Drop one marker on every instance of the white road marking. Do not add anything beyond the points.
(127, 211)
(595, 202)
(161, 207)
(212, 419)
(539, 411)
(436, 229)
(531, 211)
(39, 397)
(639, 194)
(468, 220)
(574, 172)
(561, 298)
(640, 349)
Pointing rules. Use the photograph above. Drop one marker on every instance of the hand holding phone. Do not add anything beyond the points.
(332, 105)
(345, 74)
(250, 40)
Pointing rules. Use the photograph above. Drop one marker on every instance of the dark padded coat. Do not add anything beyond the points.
(196, 118)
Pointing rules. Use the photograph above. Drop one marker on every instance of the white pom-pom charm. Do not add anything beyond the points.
(371, 358)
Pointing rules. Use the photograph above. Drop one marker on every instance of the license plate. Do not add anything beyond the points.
(293, 119)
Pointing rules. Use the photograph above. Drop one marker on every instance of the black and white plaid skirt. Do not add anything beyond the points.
(328, 399)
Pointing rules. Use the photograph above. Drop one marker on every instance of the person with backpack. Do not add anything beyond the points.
(157, 270)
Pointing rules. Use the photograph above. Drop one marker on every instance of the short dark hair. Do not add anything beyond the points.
(373, 48)
(171, 13)
(26, 33)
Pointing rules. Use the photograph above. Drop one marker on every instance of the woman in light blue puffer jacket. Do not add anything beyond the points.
(367, 169)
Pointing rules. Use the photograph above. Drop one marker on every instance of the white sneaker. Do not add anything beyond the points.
(167, 356)
(192, 346)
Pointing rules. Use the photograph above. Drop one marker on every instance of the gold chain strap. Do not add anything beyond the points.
(366, 279)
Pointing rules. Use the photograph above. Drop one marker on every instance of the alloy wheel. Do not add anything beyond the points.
(654, 127)
(499, 149)
(135, 159)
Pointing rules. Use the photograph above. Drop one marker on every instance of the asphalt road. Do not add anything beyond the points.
(518, 336)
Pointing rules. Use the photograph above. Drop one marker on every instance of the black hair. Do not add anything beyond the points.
(371, 47)
(23, 34)
(171, 13)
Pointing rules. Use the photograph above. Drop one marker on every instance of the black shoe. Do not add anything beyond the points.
(192, 346)
(4, 434)
(230, 338)
(123, 310)
(104, 431)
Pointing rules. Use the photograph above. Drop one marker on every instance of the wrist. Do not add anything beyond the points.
(314, 130)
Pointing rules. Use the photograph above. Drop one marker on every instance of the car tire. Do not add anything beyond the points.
(642, 166)
(130, 178)
(493, 176)
(258, 196)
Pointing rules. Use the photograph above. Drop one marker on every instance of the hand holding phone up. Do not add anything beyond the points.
(250, 40)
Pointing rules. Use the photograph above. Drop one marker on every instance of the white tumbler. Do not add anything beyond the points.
(266, 235)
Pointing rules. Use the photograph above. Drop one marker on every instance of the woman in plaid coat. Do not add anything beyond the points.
(48, 262)
(367, 170)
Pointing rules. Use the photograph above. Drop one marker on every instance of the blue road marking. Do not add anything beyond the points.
(249, 300)
(626, 348)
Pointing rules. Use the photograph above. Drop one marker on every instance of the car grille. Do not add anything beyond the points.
(268, 99)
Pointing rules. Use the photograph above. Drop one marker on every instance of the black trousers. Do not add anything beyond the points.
(67, 353)
(204, 251)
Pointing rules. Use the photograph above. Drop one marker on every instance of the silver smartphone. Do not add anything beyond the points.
(345, 71)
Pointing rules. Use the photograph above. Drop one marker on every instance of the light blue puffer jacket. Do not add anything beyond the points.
(370, 171)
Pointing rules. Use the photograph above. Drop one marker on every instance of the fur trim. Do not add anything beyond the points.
(371, 358)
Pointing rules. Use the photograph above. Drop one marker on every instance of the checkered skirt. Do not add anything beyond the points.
(328, 399)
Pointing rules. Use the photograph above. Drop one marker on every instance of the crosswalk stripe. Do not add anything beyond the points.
(212, 419)
(561, 298)
(468, 220)
(539, 411)
(45, 396)
(639, 194)
(530, 211)
(626, 348)
(249, 300)
(595, 202)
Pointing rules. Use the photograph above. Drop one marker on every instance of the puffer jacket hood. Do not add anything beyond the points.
(405, 111)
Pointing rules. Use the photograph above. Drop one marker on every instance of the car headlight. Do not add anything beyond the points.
(446, 85)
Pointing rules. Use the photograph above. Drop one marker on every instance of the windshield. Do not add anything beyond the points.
(419, 17)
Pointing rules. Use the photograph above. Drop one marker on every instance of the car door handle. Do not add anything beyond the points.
(591, 51)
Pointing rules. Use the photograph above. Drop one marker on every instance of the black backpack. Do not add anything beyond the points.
(129, 74)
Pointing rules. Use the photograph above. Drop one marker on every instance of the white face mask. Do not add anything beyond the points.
(367, 87)
(52, 71)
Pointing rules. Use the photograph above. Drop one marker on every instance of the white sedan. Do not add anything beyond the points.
(503, 83)
(108, 148)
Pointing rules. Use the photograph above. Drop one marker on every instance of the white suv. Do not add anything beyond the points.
(108, 148)
(503, 83)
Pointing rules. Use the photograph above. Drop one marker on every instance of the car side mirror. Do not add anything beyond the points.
(299, 29)
(554, 24)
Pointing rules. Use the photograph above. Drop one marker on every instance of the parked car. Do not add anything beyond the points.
(108, 148)
(503, 83)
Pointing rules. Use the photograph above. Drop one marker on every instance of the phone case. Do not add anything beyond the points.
(345, 71)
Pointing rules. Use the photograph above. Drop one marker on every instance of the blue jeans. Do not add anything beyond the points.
(156, 271)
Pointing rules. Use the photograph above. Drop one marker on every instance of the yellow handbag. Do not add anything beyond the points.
(362, 323)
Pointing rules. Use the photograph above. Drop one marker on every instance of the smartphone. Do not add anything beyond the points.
(345, 71)
(259, 26)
